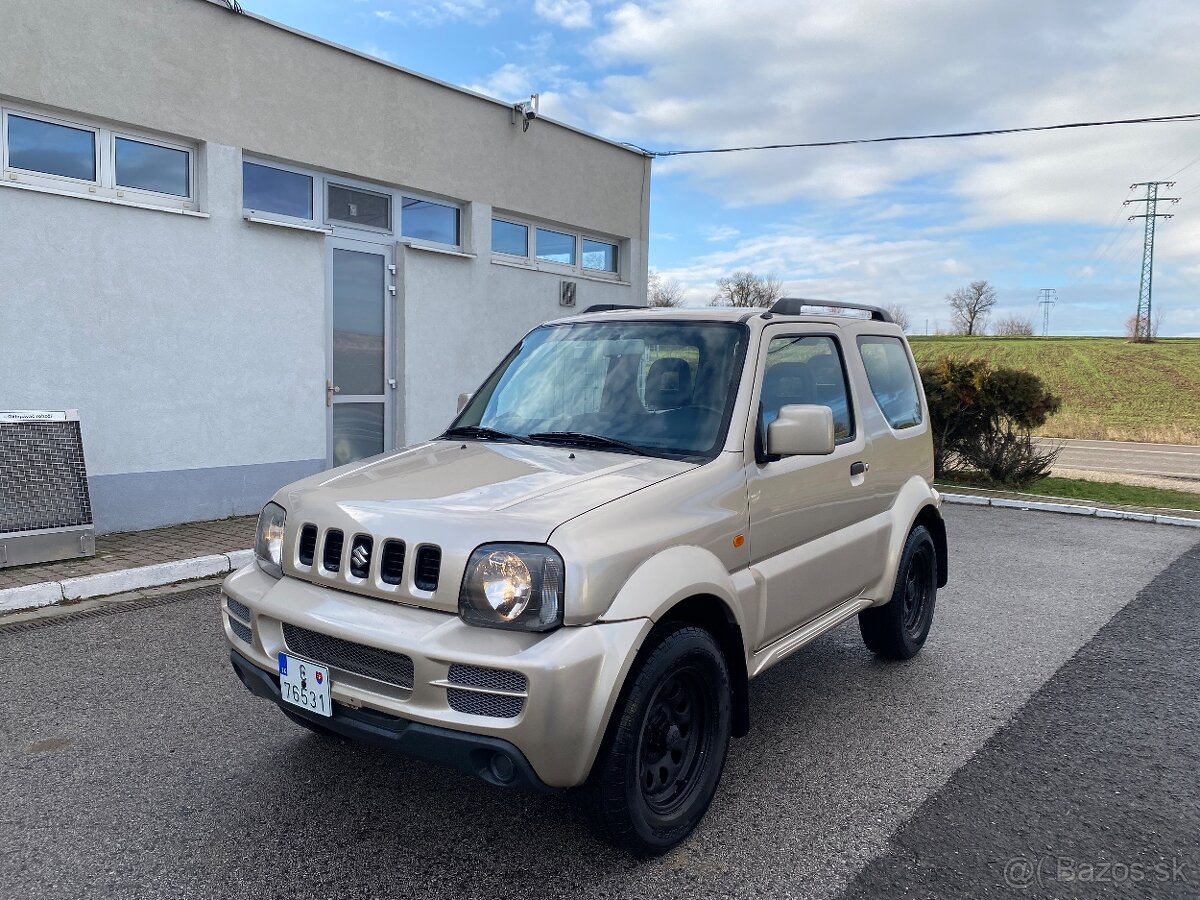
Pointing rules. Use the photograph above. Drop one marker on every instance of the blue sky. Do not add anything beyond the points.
(898, 223)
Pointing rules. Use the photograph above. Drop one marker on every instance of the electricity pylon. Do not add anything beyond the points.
(1047, 297)
(1142, 329)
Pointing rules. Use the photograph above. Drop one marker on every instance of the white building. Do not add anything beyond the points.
(245, 254)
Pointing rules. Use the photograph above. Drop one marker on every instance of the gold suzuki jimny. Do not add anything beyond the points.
(637, 512)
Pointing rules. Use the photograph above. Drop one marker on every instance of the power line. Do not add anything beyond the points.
(1142, 328)
(1144, 120)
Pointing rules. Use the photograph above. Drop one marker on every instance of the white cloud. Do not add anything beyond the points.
(565, 13)
(375, 50)
(720, 233)
(438, 12)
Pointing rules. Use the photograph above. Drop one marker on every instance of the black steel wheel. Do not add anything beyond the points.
(898, 629)
(662, 757)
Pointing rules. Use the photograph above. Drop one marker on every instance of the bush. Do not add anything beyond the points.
(983, 418)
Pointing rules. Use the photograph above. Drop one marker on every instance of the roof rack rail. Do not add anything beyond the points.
(794, 306)
(610, 307)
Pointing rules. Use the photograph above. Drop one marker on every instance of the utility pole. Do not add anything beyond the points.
(1142, 329)
(1047, 297)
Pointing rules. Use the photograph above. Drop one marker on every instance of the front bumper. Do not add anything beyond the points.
(572, 676)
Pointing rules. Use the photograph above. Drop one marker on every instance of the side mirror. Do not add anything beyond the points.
(801, 429)
(463, 400)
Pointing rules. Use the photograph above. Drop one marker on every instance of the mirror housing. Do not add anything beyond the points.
(802, 429)
(463, 399)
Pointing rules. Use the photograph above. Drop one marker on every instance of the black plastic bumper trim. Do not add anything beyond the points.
(475, 754)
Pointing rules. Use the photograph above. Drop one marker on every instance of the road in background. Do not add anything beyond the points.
(136, 765)
(1158, 460)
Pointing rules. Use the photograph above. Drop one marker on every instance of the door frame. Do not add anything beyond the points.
(385, 248)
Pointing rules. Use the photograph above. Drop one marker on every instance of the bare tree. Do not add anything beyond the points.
(663, 291)
(1135, 334)
(971, 306)
(1014, 326)
(899, 315)
(743, 288)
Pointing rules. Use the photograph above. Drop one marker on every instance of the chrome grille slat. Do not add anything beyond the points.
(491, 705)
(391, 566)
(357, 659)
(429, 567)
(331, 556)
(306, 552)
(496, 679)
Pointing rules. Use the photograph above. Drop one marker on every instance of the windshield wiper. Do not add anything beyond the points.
(483, 433)
(588, 440)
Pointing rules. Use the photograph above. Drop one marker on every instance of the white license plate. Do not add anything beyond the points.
(305, 684)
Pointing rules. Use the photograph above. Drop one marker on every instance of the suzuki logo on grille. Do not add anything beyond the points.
(360, 556)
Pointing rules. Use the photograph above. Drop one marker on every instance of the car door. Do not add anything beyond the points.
(813, 539)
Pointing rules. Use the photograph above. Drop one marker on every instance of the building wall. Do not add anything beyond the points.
(195, 346)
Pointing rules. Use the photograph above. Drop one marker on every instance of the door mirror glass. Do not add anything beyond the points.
(801, 429)
(463, 400)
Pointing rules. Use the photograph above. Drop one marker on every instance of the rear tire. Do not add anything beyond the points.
(660, 764)
(898, 629)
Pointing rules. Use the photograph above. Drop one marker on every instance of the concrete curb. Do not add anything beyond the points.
(105, 584)
(1070, 509)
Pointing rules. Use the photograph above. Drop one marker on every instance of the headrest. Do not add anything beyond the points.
(668, 383)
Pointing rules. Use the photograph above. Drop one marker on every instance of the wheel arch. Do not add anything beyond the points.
(931, 518)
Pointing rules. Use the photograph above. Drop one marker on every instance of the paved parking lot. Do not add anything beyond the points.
(137, 766)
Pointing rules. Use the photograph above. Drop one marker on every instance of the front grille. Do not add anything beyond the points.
(494, 706)
(331, 559)
(391, 566)
(307, 550)
(358, 659)
(360, 555)
(429, 566)
(495, 679)
(239, 609)
(242, 631)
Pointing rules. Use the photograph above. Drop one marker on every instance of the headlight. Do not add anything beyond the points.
(268, 541)
(513, 586)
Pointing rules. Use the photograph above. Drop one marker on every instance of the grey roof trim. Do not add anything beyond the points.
(429, 78)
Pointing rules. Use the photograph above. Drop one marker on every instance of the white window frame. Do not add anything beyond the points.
(532, 261)
(330, 181)
(529, 237)
(104, 185)
(402, 195)
(316, 200)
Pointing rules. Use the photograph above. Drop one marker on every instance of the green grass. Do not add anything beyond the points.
(1098, 492)
(1111, 389)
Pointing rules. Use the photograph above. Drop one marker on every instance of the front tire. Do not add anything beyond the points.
(898, 629)
(659, 767)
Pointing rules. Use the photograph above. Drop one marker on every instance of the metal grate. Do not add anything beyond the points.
(360, 555)
(242, 631)
(307, 551)
(239, 609)
(494, 706)
(429, 567)
(358, 659)
(496, 679)
(391, 566)
(43, 480)
(331, 558)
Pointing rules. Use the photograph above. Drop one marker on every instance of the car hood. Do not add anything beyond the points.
(455, 492)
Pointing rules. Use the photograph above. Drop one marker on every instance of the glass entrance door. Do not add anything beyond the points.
(361, 382)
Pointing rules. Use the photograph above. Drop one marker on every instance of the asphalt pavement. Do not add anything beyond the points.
(135, 764)
(1157, 460)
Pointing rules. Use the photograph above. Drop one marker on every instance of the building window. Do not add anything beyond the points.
(354, 206)
(425, 220)
(152, 167)
(510, 238)
(599, 255)
(48, 148)
(278, 191)
(556, 246)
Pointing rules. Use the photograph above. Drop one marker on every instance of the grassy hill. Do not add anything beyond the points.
(1111, 389)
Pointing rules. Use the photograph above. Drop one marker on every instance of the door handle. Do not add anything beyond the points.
(858, 468)
(330, 390)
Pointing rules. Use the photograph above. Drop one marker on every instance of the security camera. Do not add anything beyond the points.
(526, 110)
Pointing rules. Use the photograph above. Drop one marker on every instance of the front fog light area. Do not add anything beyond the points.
(268, 539)
(513, 586)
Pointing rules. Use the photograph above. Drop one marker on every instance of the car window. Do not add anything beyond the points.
(892, 380)
(806, 369)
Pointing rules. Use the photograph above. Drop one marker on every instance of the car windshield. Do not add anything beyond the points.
(659, 388)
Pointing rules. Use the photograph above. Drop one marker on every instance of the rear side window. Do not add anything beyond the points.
(892, 380)
(806, 369)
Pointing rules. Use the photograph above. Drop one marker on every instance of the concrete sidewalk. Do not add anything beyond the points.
(131, 561)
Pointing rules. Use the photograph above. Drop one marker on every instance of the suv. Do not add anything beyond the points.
(639, 511)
